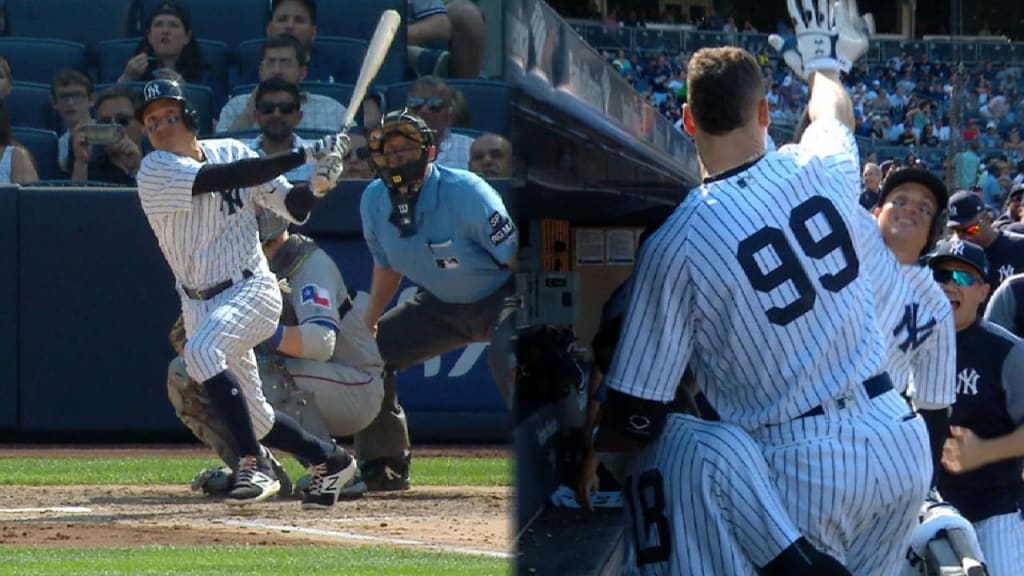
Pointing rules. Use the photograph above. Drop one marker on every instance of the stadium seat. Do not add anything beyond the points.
(39, 59)
(228, 21)
(344, 56)
(113, 54)
(29, 105)
(86, 21)
(488, 102)
(359, 20)
(43, 146)
(200, 96)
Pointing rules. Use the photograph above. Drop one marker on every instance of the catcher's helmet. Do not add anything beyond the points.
(410, 126)
(270, 224)
(164, 89)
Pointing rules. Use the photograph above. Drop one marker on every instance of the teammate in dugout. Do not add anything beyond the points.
(984, 456)
(448, 231)
(321, 367)
(199, 199)
(764, 279)
(969, 220)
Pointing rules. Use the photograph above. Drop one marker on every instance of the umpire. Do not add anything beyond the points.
(448, 231)
(982, 459)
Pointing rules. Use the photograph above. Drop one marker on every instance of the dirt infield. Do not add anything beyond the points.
(471, 520)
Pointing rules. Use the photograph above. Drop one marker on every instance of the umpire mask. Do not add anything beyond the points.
(400, 150)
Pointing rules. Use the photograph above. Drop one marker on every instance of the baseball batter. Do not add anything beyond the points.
(198, 197)
(763, 279)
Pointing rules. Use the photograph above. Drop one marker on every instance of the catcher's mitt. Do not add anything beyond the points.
(177, 336)
(288, 316)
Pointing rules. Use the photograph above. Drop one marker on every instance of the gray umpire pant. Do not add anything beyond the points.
(422, 327)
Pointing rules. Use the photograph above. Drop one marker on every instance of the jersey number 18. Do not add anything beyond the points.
(790, 268)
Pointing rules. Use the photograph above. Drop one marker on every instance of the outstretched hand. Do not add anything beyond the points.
(829, 36)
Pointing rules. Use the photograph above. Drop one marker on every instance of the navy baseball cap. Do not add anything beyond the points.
(964, 206)
(901, 176)
(1017, 192)
(957, 250)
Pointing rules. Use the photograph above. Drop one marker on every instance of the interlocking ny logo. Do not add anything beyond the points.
(967, 382)
(152, 91)
(230, 200)
(1005, 271)
(916, 333)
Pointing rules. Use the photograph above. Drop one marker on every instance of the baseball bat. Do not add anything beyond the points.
(387, 26)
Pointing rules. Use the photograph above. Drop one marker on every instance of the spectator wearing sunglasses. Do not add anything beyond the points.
(278, 111)
(357, 159)
(117, 162)
(982, 458)
(970, 221)
(431, 99)
(283, 57)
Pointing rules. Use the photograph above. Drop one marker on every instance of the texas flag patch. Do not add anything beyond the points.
(313, 294)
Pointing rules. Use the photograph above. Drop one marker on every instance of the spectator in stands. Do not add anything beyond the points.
(278, 111)
(970, 131)
(446, 40)
(1013, 145)
(990, 138)
(1010, 218)
(168, 49)
(357, 159)
(116, 163)
(943, 131)
(872, 180)
(928, 137)
(966, 165)
(622, 63)
(880, 104)
(297, 18)
(907, 137)
(16, 164)
(730, 25)
(5, 78)
(282, 58)
(749, 27)
(71, 94)
(490, 156)
(991, 191)
(431, 99)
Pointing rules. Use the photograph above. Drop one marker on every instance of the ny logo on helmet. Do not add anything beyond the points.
(152, 91)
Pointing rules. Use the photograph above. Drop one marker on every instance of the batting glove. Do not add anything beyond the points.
(789, 54)
(854, 32)
(326, 174)
(328, 145)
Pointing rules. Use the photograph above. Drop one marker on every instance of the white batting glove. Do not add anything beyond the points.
(326, 146)
(326, 174)
(790, 56)
(815, 37)
(854, 32)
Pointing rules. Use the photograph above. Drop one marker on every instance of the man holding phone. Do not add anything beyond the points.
(111, 148)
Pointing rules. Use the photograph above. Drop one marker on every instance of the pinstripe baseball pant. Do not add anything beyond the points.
(222, 333)
(1002, 542)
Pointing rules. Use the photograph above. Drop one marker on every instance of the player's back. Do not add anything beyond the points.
(769, 261)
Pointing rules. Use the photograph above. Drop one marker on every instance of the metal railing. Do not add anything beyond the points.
(674, 40)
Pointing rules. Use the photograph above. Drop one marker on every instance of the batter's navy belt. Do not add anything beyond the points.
(874, 386)
(208, 293)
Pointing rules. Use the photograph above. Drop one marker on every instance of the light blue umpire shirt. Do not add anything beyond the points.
(463, 236)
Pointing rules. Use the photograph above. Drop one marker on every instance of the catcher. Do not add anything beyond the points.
(321, 366)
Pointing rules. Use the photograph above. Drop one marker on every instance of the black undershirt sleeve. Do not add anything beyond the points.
(246, 172)
(635, 418)
(937, 422)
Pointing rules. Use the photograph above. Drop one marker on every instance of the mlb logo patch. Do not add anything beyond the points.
(447, 263)
(315, 295)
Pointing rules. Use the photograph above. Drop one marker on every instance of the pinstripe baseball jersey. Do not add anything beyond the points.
(209, 237)
(763, 275)
(917, 321)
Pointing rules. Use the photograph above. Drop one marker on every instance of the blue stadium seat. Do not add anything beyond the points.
(39, 59)
(200, 96)
(85, 21)
(228, 21)
(359, 20)
(488, 102)
(29, 105)
(113, 54)
(43, 146)
(343, 56)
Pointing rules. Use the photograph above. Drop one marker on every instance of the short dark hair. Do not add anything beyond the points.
(310, 6)
(70, 77)
(115, 92)
(723, 84)
(278, 85)
(286, 41)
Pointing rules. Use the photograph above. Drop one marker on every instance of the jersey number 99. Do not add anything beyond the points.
(789, 268)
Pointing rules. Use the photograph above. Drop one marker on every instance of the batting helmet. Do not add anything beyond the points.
(164, 89)
(899, 176)
(407, 125)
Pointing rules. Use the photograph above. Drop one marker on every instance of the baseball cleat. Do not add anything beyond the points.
(387, 474)
(255, 481)
(327, 480)
(213, 481)
(352, 490)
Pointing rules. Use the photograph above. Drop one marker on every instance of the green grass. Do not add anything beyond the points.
(41, 471)
(153, 560)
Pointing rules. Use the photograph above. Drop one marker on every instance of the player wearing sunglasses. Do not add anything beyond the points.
(278, 110)
(982, 459)
(970, 221)
(432, 99)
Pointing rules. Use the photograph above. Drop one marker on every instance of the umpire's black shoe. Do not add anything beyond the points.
(328, 479)
(255, 481)
(387, 474)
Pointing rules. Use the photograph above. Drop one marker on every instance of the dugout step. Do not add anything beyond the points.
(567, 542)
